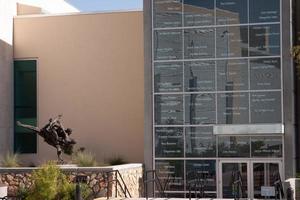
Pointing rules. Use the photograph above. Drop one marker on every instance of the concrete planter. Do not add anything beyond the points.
(3, 190)
(294, 185)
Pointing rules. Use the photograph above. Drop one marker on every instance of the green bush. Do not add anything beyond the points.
(118, 160)
(50, 183)
(22, 192)
(85, 191)
(10, 160)
(84, 159)
(46, 182)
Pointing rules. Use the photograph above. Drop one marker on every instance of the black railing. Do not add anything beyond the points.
(119, 181)
(157, 183)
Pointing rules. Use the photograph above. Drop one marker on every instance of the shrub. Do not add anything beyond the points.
(118, 160)
(22, 192)
(10, 160)
(84, 159)
(86, 192)
(51, 184)
(45, 182)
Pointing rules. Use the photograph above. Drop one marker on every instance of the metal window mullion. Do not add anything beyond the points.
(222, 58)
(215, 25)
(183, 96)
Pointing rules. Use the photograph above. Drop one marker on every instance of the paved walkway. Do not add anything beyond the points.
(157, 199)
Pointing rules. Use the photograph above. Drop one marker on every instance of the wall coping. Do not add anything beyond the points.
(77, 169)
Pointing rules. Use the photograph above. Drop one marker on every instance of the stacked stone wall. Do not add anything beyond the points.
(98, 179)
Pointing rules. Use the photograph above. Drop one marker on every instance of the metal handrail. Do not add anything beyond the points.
(155, 179)
(117, 174)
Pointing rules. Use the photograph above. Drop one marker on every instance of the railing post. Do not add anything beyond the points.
(116, 186)
(107, 181)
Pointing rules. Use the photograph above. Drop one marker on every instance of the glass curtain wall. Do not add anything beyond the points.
(215, 62)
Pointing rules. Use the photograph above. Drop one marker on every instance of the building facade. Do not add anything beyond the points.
(219, 100)
(86, 66)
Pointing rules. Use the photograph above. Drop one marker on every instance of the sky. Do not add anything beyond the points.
(102, 5)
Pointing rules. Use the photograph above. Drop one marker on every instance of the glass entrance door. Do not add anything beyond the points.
(266, 180)
(234, 179)
(250, 179)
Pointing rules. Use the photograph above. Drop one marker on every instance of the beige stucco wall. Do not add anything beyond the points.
(7, 11)
(90, 69)
(23, 9)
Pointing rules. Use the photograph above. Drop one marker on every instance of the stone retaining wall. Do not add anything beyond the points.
(97, 178)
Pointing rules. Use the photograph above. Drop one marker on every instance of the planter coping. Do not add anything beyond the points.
(78, 169)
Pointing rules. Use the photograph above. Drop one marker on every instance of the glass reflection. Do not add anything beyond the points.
(168, 77)
(205, 171)
(232, 41)
(265, 174)
(233, 108)
(262, 11)
(232, 172)
(266, 107)
(265, 73)
(167, 13)
(167, 45)
(232, 11)
(200, 109)
(199, 76)
(171, 174)
(168, 109)
(169, 142)
(264, 40)
(200, 142)
(266, 146)
(232, 75)
(199, 43)
(198, 13)
(234, 146)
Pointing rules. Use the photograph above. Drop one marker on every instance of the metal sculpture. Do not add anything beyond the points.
(55, 135)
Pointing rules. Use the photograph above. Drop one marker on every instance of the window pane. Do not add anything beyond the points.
(169, 142)
(234, 146)
(199, 13)
(168, 109)
(168, 45)
(232, 11)
(170, 173)
(25, 105)
(167, 13)
(200, 142)
(201, 169)
(233, 108)
(265, 40)
(232, 41)
(232, 75)
(265, 73)
(264, 11)
(199, 76)
(168, 77)
(266, 107)
(200, 109)
(199, 43)
(266, 146)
